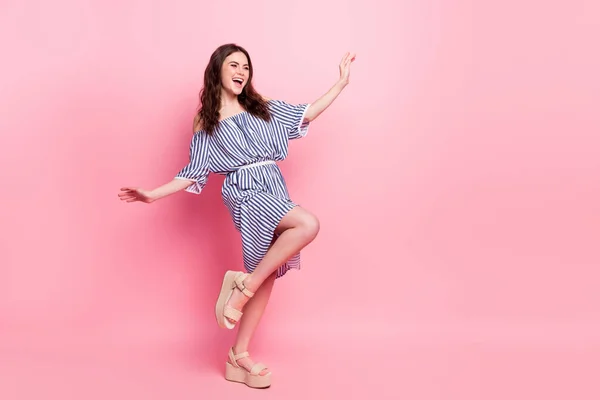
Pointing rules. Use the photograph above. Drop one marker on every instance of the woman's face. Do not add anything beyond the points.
(235, 73)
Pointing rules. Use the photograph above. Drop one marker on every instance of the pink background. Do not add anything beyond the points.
(456, 180)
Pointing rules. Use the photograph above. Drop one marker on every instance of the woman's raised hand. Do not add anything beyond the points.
(345, 67)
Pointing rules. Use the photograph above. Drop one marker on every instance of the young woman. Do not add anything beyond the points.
(241, 134)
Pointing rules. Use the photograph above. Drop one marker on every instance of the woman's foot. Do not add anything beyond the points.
(238, 299)
(247, 363)
(232, 298)
(240, 368)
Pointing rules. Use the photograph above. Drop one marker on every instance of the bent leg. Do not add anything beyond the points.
(296, 230)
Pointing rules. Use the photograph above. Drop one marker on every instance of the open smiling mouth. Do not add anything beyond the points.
(238, 82)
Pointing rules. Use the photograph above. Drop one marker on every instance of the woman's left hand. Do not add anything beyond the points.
(345, 67)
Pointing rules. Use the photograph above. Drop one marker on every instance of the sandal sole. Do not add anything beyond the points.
(224, 296)
(240, 375)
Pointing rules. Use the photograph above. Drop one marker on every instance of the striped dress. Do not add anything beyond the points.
(245, 148)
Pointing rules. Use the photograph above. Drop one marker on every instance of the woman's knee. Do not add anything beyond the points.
(301, 220)
(310, 225)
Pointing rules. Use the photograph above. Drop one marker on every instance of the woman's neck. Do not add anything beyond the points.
(229, 100)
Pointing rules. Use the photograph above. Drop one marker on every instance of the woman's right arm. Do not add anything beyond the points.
(170, 188)
(192, 177)
(131, 194)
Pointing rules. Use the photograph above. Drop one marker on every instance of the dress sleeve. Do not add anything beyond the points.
(197, 169)
(291, 117)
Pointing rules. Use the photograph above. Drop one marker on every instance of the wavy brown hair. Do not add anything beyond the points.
(210, 95)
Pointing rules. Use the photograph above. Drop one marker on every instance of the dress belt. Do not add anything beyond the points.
(256, 164)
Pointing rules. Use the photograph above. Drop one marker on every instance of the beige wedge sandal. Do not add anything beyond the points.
(236, 373)
(224, 313)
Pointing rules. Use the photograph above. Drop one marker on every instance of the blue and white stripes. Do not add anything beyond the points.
(245, 148)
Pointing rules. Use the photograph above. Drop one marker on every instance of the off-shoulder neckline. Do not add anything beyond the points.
(231, 116)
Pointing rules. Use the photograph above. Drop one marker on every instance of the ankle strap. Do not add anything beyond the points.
(234, 357)
(239, 283)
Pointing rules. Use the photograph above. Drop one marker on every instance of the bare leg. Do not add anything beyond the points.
(253, 312)
(296, 230)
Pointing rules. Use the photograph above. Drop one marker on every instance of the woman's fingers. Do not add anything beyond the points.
(344, 58)
(348, 57)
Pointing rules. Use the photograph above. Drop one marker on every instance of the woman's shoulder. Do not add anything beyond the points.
(197, 124)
